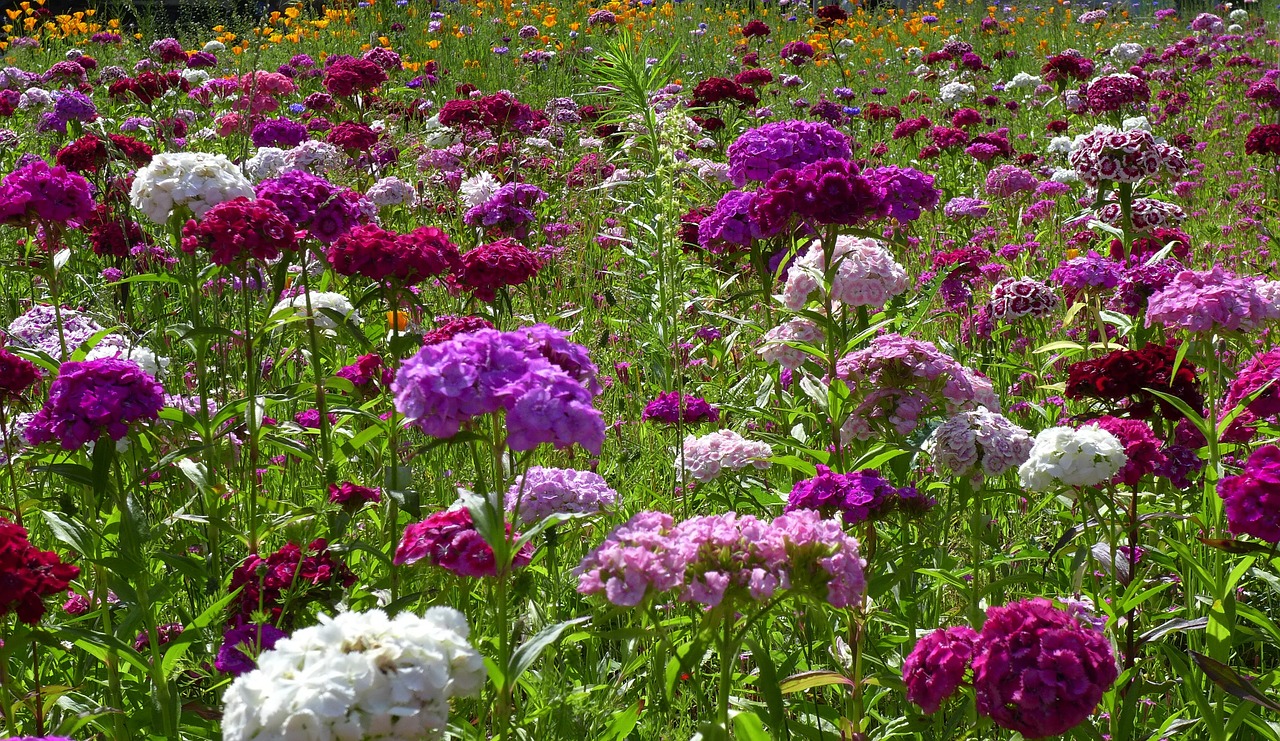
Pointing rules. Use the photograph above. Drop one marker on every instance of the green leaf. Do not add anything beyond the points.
(748, 727)
(767, 685)
(1173, 626)
(176, 649)
(809, 680)
(72, 533)
(1233, 682)
(73, 472)
(624, 722)
(529, 652)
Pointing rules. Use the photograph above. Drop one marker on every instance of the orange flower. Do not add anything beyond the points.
(397, 320)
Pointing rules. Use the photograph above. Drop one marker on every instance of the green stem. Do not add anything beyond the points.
(317, 372)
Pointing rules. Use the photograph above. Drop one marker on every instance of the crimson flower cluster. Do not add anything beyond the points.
(379, 255)
(239, 230)
(347, 76)
(292, 577)
(16, 375)
(450, 540)
(495, 265)
(1263, 140)
(1036, 669)
(1125, 376)
(28, 575)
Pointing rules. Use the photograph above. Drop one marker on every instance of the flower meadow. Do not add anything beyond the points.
(641, 370)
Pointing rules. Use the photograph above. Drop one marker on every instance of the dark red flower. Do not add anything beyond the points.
(238, 230)
(1125, 376)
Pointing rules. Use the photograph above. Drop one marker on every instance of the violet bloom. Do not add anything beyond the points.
(509, 209)
(313, 203)
(858, 496)
(1091, 271)
(544, 383)
(670, 406)
(94, 398)
(760, 152)
(242, 645)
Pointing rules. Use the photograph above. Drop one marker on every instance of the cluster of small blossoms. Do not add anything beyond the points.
(705, 458)
(541, 492)
(776, 345)
(865, 274)
(731, 558)
(978, 443)
(1014, 298)
(1109, 154)
(895, 381)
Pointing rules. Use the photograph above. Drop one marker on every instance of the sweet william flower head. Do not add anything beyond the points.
(1062, 456)
(357, 676)
(179, 182)
(94, 398)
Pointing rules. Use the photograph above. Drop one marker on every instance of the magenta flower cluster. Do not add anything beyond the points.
(857, 496)
(449, 540)
(313, 203)
(543, 382)
(1252, 498)
(510, 209)
(39, 193)
(671, 406)
(728, 558)
(94, 398)
(1036, 669)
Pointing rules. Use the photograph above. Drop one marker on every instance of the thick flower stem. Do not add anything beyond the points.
(1126, 217)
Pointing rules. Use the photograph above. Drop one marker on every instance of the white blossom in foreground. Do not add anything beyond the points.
(1065, 456)
(196, 181)
(118, 346)
(706, 457)
(356, 677)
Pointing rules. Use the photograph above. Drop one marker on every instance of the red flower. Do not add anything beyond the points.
(496, 265)
(378, 254)
(28, 575)
(347, 77)
(235, 231)
(455, 326)
(83, 155)
(16, 375)
(1124, 375)
(292, 576)
(756, 29)
(1264, 139)
(352, 136)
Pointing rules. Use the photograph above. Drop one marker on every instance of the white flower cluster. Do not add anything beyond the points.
(979, 442)
(119, 346)
(1064, 456)
(320, 300)
(1022, 81)
(478, 188)
(315, 156)
(706, 457)
(197, 181)
(866, 274)
(1125, 54)
(956, 92)
(774, 347)
(266, 163)
(392, 191)
(357, 676)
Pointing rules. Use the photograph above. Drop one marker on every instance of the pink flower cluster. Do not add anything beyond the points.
(1205, 300)
(1014, 298)
(896, 380)
(717, 558)
(865, 274)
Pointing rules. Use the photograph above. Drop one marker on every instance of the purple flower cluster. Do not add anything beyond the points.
(1091, 271)
(509, 209)
(313, 203)
(541, 492)
(1006, 181)
(731, 558)
(670, 406)
(1253, 497)
(897, 380)
(857, 497)
(278, 132)
(242, 644)
(94, 398)
(1037, 670)
(729, 227)
(449, 539)
(784, 145)
(544, 383)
